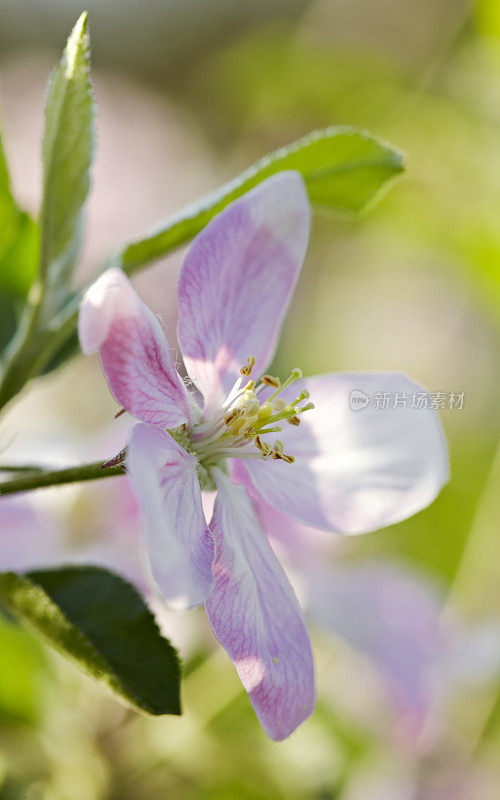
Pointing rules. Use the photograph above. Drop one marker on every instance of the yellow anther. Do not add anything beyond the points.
(250, 407)
(283, 457)
(266, 410)
(247, 416)
(264, 447)
(234, 414)
(269, 380)
(248, 369)
(247, 425)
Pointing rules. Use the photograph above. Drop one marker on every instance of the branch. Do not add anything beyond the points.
(41, 478)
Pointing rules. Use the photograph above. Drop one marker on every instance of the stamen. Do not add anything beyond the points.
(235, 391)
(283, 457)
(266, 410)
(264, 447)
(250, 404)
(295, 375)
(242, 420)
(234, 414)
(302, 396)
(248, 425)
(275, 429)
(269, 380)
(250, 364)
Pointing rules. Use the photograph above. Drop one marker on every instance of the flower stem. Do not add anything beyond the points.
(32, 349)
(57, 477)
(21, 468)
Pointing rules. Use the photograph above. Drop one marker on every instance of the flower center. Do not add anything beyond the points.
(236, 429)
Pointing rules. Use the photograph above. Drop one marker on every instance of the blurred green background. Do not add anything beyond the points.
(188, 95)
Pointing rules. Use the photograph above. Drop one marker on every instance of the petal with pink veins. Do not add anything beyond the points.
(178, 542)
(237, 280)
(134, 352)
(256, 617)
(355, 471)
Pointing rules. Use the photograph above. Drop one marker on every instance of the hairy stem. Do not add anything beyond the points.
(42, 478)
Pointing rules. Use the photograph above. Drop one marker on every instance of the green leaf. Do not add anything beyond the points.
(19, 263)
(18, 239)
(101, 622)
(69, 348)
(23, 671)
(344, 170)
(8, 209)
(67, 153)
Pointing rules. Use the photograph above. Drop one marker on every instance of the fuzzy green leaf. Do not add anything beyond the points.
(67, 153)
(344, 170)
(101, 622)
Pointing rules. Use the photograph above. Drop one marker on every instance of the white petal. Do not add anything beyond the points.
(356, 471)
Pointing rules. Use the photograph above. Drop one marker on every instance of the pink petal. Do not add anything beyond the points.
(256, 617)
(27, 539)
(34, 537)
(237, 280)
(390, 615)
(355, 471)
(134, 352)
(178, 542)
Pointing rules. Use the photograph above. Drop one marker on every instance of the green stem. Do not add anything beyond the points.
(41, 479)
(13, 361)
(28, 356)
(21, 468)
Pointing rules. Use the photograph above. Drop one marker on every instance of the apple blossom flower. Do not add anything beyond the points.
(331, 467)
